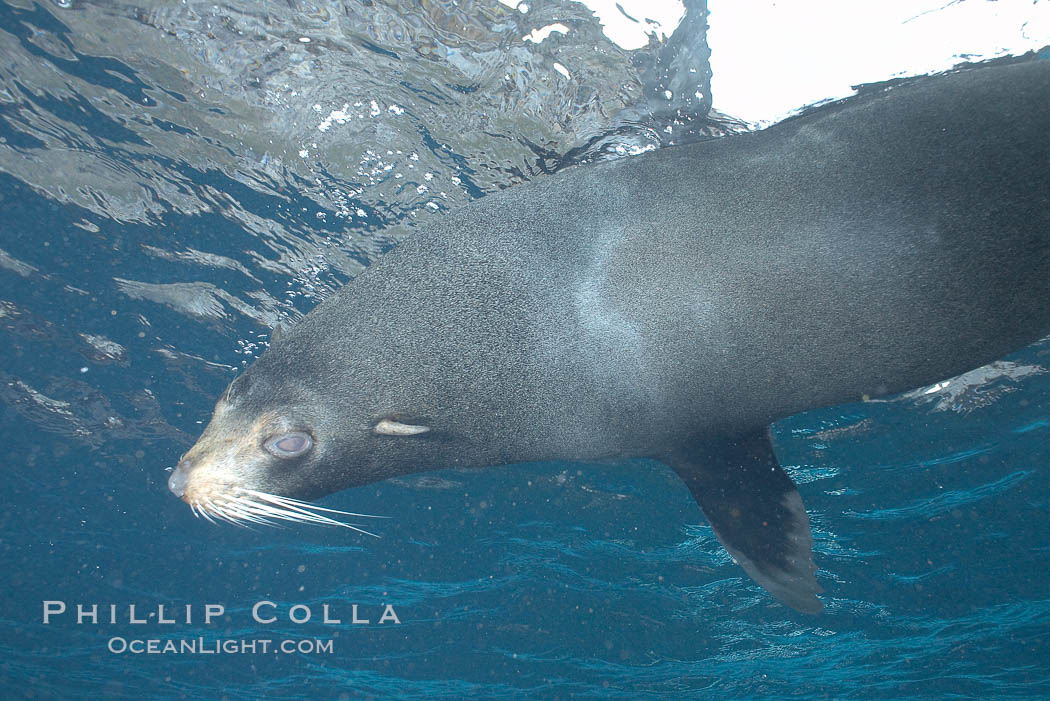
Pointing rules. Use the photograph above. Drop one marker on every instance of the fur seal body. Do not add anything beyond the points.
(670, 305)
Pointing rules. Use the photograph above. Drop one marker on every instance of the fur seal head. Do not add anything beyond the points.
(271, 443)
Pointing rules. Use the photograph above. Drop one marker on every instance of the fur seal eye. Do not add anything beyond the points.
(289, 445)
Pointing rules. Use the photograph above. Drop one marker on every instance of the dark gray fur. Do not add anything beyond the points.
(673, 304)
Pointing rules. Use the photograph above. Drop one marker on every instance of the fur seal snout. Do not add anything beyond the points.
(670, 306)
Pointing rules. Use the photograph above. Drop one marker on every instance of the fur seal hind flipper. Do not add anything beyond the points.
(756, 512)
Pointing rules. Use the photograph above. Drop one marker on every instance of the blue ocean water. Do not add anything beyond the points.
(128, 302)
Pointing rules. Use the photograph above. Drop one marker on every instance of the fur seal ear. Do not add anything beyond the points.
(389, 427)
(276, 332)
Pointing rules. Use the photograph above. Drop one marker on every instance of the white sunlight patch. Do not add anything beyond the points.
(630, 23)
(772, 57)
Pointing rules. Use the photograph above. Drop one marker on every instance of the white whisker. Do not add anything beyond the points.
(304, 504)
(218, 512)
(261, 513)
(253, 507)
(242, 511)
(258, 508)
(203, 511)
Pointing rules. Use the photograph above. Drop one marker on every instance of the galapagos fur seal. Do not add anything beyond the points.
(669, 305)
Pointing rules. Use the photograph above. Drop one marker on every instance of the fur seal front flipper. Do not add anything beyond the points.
(756, 512)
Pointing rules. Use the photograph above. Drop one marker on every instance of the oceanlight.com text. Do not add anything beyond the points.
(224, 646)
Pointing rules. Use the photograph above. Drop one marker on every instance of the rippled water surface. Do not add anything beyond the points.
(175, 179)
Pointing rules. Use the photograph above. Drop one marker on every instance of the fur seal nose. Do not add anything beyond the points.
(177, 481)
